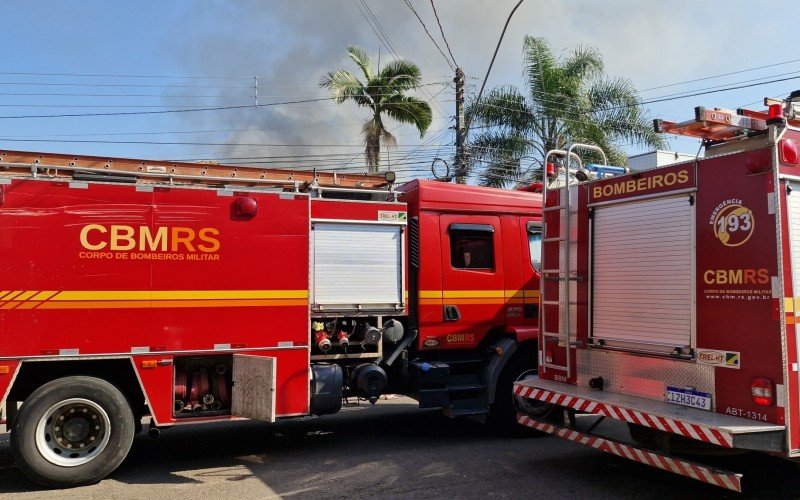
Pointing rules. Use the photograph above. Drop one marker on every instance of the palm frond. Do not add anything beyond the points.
(504, 107)
(407, 109)
(400, 75)
(585, 63)
(345, 85)
(362, 60)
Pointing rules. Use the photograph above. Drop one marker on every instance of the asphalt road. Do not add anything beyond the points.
(393, 450)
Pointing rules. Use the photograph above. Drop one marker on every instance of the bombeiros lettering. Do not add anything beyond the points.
(103, 239)
(658, 181)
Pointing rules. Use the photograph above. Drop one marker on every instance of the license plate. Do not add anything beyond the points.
(688, 397)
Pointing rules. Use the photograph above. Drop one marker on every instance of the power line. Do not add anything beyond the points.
(384, 39)
(127, 113)
(441, 30)
(181, 143)
(489, 69)
(721, 75)
(408, 3)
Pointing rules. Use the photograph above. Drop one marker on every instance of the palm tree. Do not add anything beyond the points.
(567, 100)
(382, 92)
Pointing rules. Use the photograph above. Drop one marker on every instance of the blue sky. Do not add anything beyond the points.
(289, 45)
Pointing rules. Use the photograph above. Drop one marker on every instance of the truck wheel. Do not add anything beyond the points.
(503, 413)
(72, 431)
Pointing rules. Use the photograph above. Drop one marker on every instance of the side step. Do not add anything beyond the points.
(713, 476)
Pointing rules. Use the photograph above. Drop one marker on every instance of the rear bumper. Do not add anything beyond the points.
(714, 428)
(704, 473)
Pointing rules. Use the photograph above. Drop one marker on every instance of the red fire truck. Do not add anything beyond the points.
(200, 292)
(669, 301)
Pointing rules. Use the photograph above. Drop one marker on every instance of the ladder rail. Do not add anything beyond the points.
(64, 166)
(564, 239)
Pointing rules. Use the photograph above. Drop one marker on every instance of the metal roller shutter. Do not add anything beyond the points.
(357, 265)
(793, 208)
(643, 274)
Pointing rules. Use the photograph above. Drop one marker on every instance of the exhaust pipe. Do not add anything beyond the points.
(153, 431)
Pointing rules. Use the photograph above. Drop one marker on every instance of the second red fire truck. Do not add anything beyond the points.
(197, 293)
(670, 299)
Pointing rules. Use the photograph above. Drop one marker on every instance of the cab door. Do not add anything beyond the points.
(531, 268)
(473, 293)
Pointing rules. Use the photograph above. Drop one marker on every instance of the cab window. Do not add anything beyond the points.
(472, 246)
(535, 243)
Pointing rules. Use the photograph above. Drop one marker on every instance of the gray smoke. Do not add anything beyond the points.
(291, 44)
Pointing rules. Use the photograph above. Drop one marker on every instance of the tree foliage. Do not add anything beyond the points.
(565, 100)
(383, 92)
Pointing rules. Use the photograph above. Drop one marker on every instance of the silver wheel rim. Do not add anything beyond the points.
(73, 432)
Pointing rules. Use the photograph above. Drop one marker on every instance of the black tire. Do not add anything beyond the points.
(503, 413)
(95, 451)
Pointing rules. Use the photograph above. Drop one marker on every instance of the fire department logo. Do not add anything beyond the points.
(733, 223)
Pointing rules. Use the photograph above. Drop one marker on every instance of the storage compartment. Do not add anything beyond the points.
(202, 386)
(357, 267)
(643, 275)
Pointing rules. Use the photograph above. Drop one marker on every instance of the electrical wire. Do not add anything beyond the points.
(408, 3)
(441, 30)
(720, 75)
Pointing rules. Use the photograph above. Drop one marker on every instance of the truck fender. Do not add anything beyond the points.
(523, 333)
(7, 377)
(503, 349)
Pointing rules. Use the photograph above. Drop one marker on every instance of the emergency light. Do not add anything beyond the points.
(788, 151)
(761, 391)
(603, 171)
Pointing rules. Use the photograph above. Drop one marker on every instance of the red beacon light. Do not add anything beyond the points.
(550, 170)
(246, 206)
(775, 114)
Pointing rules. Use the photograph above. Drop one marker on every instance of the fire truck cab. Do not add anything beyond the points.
(195, 293)
(669, 300)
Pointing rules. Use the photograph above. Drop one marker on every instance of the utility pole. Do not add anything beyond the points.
(461, 130)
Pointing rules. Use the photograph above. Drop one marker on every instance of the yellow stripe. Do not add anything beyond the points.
(144, 304)
(12, 295)
(44, 295)
(128, 295)
(473, 294)
(3, 293)
(788, 304)
(431, 302)
(477, 294)
(26, 295)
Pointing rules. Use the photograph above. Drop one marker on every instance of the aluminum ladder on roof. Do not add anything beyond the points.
(565, 272)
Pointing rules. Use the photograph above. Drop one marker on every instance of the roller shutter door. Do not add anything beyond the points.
(793, 207)
(357, 265)
(643, 274)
